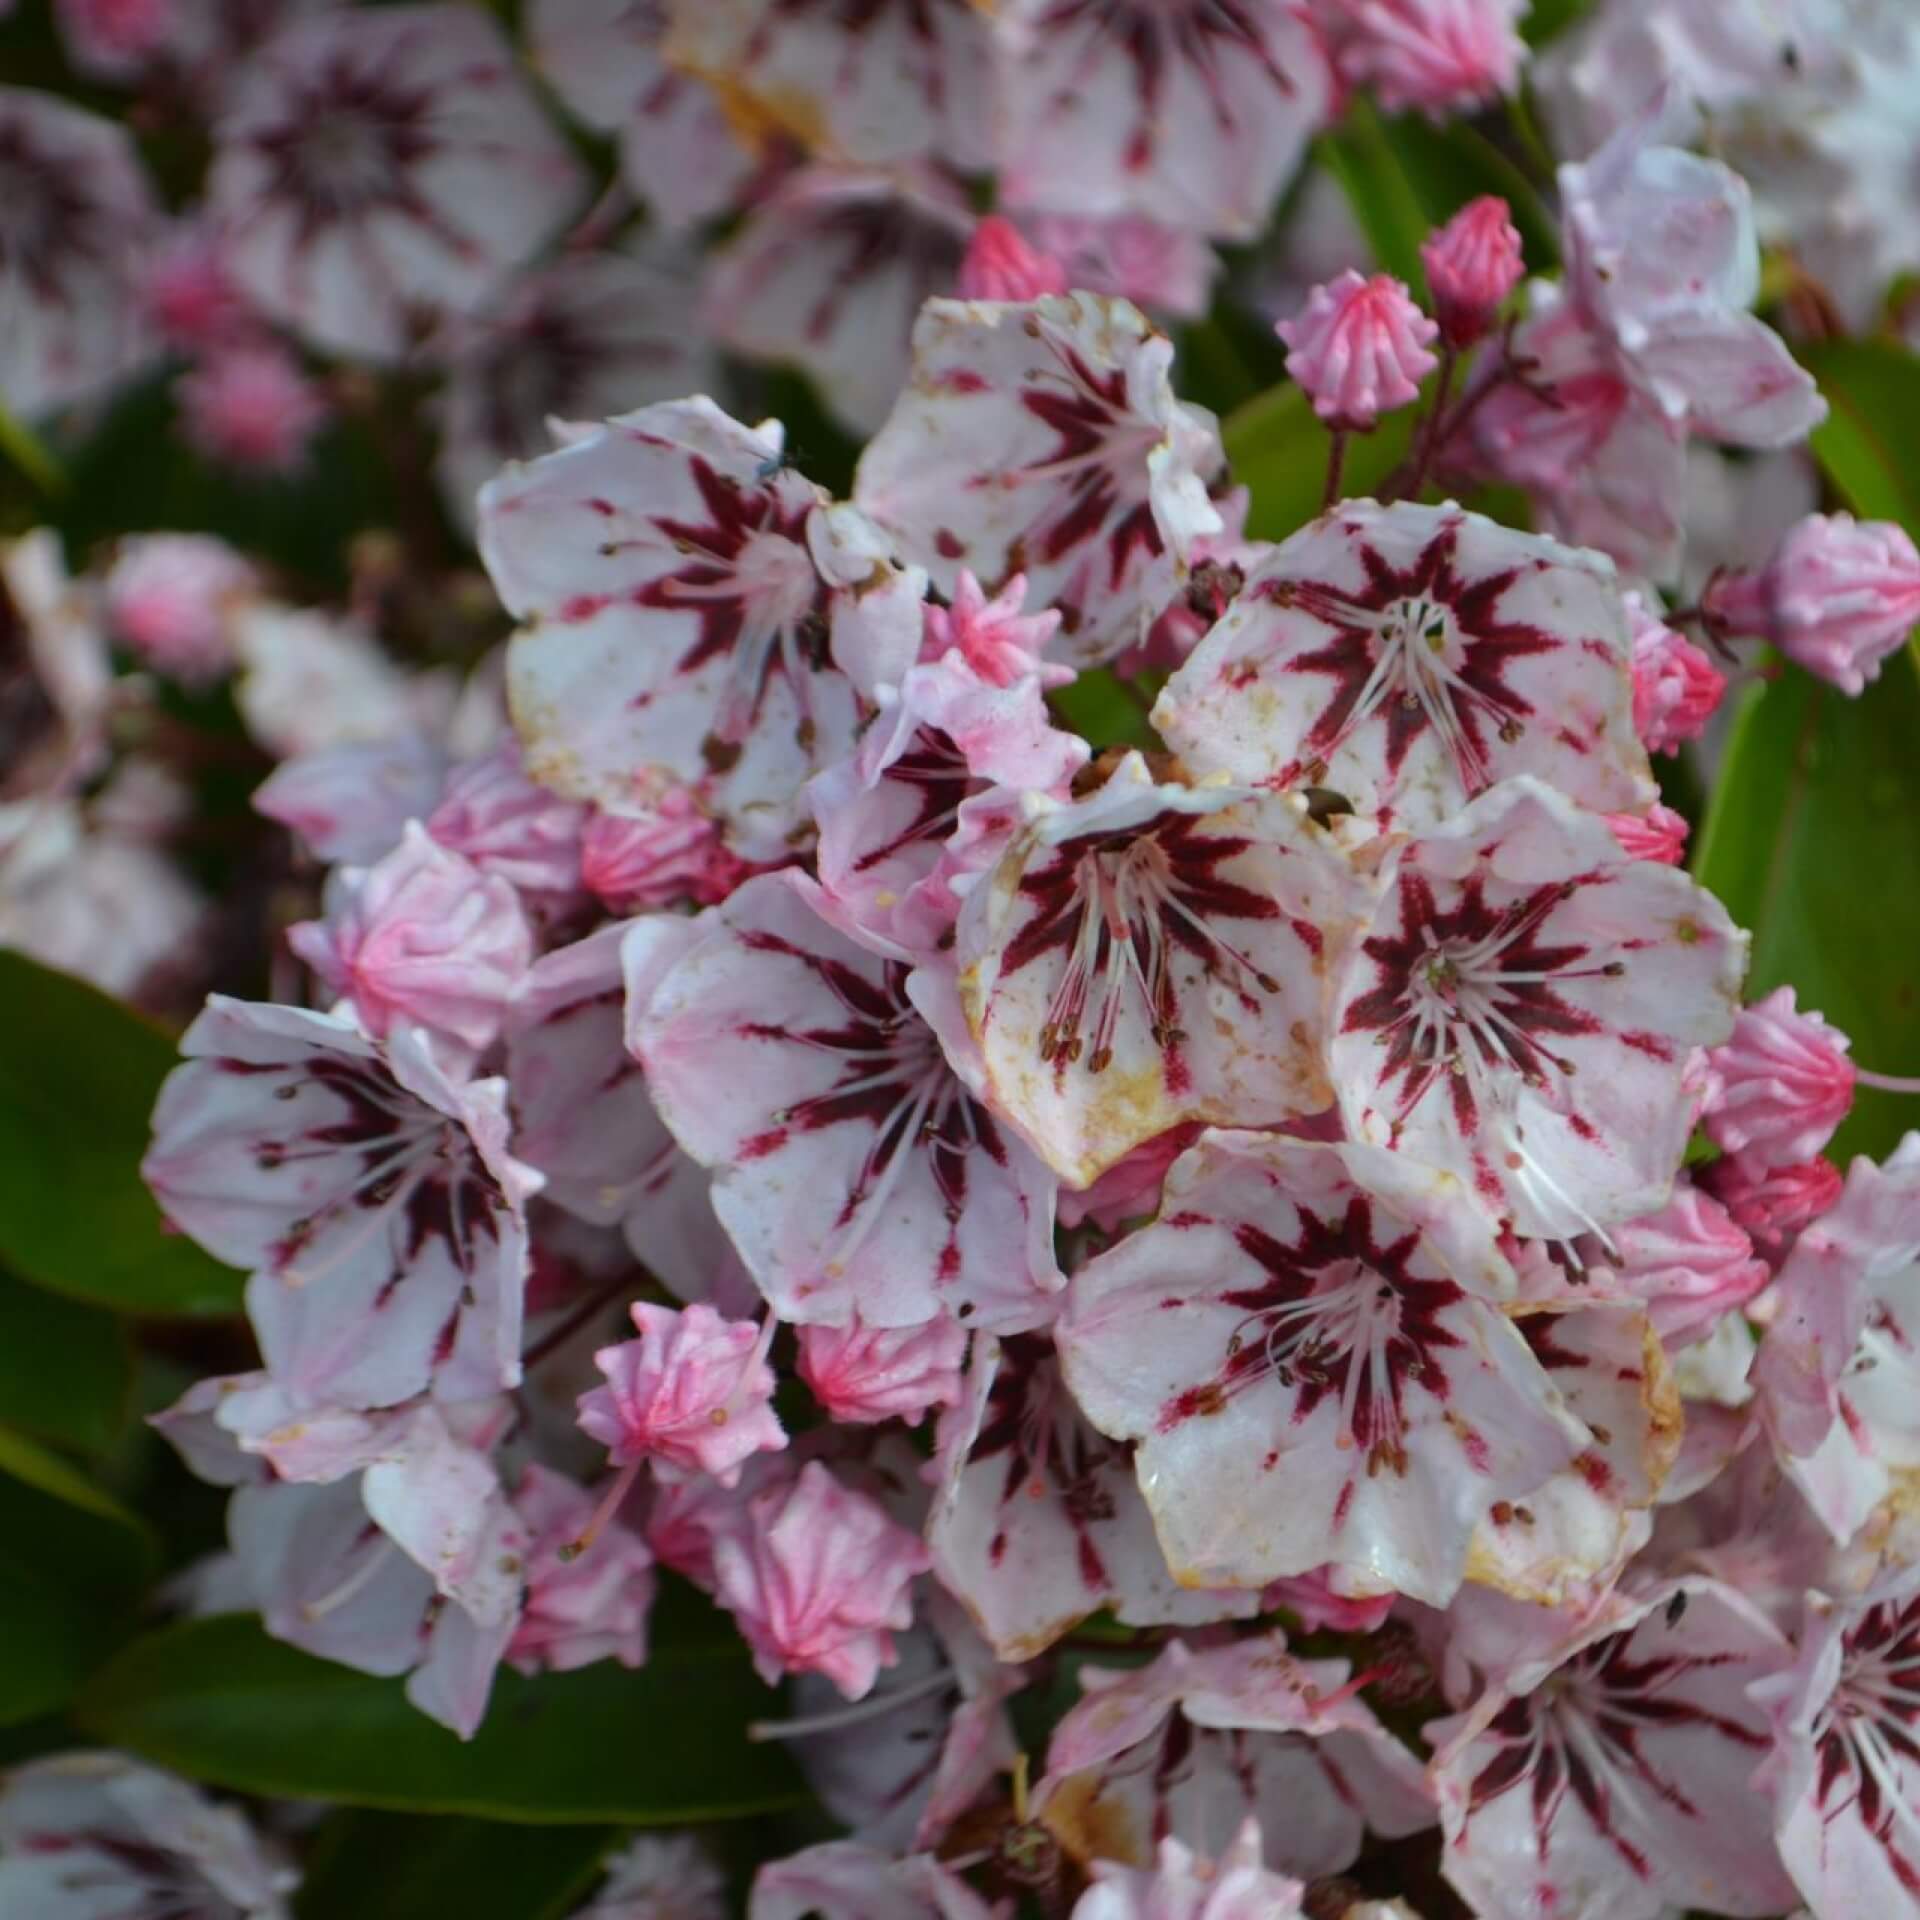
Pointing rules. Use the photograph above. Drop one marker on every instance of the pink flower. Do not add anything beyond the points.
(1001, 265)
(675, 612)
(251, 406)
(1676, 686)
(1837, 597)
(1334, 1384)
(1773, 1203)
(114, 38)
(663, 1876)
(1782, 1084)
(996, 640)
(1164, 269)
(97, 1834)
(1844, 1773)
(1217, 1732)
(840, 1880)
(79, 223)
(372, 173)
(865, 1374)
(581, 1606)
(1184, 1885)
(1689, 1264)
(691, 1394)
(168, 596)
(1359, 349)
(1444, 56)
(509, 827)
(1608, 1771)
(421, 935)
(856, 1168)
(828, 271)
(1658, 834)
(1038, 1520)
(1409, 657)
(351, 802)
(1473, 263)
(189, 294)
(372, 1198)
(670, 853)
(1193, 115)
(1073, 393)
(817, 1579)
(1524, 1008)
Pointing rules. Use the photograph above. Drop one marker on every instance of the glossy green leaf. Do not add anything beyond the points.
(66, 1369)
(1385, 203)
(1548, 18)
(1866, 442)
(73, 1566)
(1101, 709)
(1810, 840)
(219, 1701)
(78, 1076)
(1279, 449)
(395, 1866)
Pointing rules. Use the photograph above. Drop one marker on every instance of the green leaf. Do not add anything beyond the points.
(66, 1370)
(1363, 160)
(1865, 444)
(664, 1745)
(1547, 18)
(1810, 842)
(73, 1565)
(78, 1076)
(1279, 448)
(1101, 710)
(396, 1866)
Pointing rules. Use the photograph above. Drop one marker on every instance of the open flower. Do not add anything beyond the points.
(1149, 955)
(675, 625)
(1523, 1010)
(1308, 1351)
(1609, 1772)
(377, 170)
(1193, 114)
(372, 1197)
(1407, 657)
(1045, 439)
(856, 1170)
(80, 217)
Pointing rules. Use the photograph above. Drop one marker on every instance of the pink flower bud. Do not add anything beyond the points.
(867, 1374)
(1782, 1084)
(1472, 264)
(1002, 265)
(189, 295)
(1689, 1262)
(1359, 348)
(1439, 55)
(168, 597)
(691, 1394)
(999, 642)
(422, 935)
(1676, 686)
(114, 38)
(1658, 834)
(251, 407)
(508, 826)
(1838, 596)
(1772, 1203)
(669, 854)
(816, 1580)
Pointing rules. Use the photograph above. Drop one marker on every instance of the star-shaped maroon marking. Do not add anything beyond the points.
(1409, 609)
(935, 772)
(1120, 905)
(1466, 987)
(1340, 1317)
(1870, 1731)
(1619, 1701)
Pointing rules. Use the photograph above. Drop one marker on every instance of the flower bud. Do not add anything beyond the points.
(1782, 1084)
(1658, 834)
(1676, 687)
(1472, 264)
(1000, 264)
(1359, 349)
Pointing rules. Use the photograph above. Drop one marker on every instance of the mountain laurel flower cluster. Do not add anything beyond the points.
(950, 1036)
